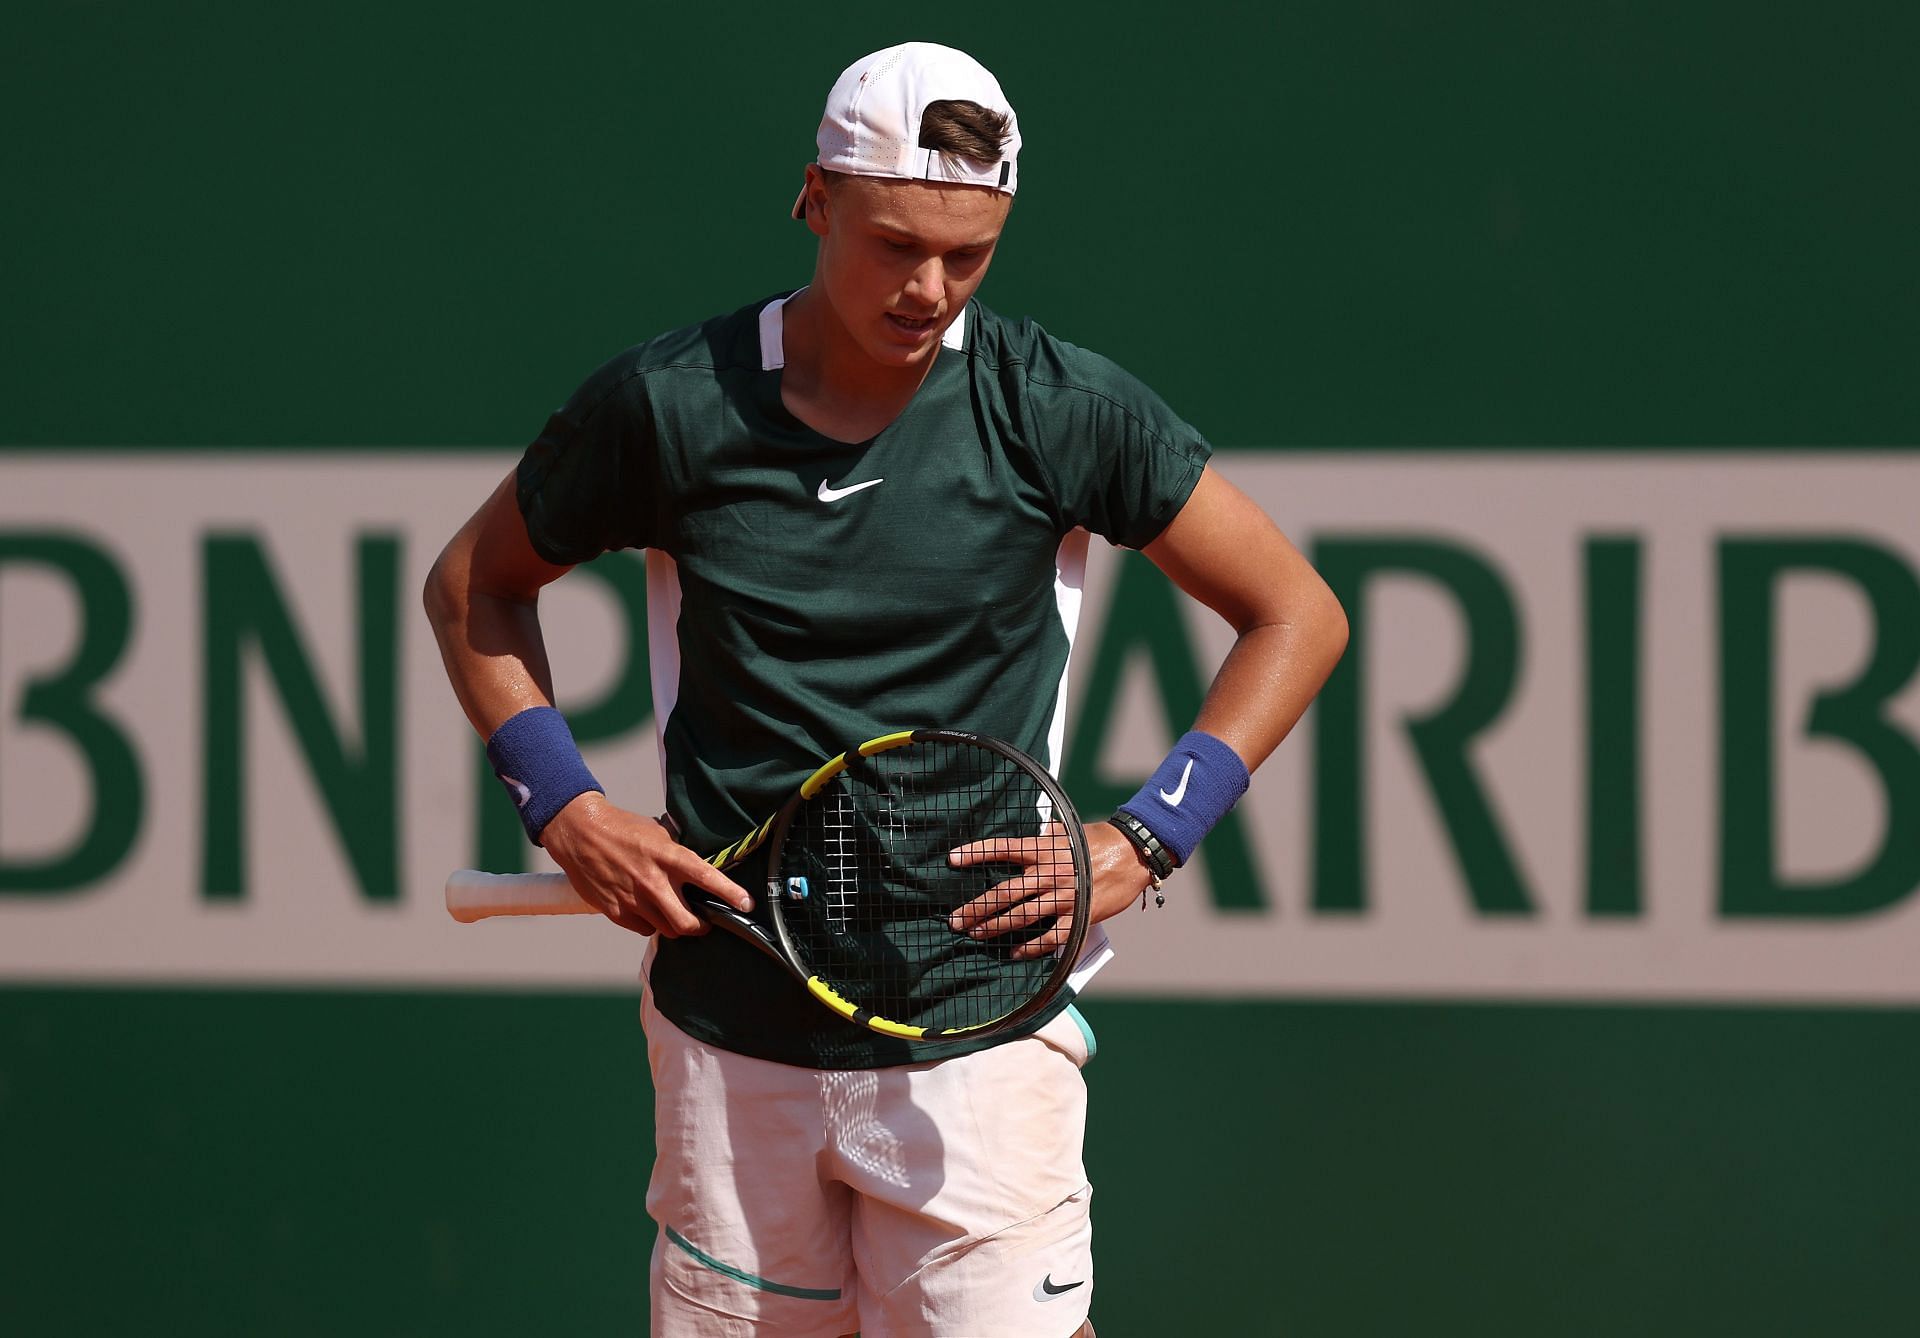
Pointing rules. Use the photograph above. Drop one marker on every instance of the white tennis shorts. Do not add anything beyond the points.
(942, 1200)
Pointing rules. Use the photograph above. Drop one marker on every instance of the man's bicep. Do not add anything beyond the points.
(496, 552)
(1224, 551)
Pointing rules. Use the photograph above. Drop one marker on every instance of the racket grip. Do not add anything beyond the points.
(472, 895)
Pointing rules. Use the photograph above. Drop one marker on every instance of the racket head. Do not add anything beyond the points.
(859, 885)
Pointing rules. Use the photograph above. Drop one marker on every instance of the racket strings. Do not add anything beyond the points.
(840, 844)
(870, 856)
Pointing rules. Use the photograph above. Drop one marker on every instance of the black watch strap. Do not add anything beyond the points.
(1157, 857)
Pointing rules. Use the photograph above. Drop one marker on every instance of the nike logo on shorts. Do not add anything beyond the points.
(827, 494)
(1048, 1290)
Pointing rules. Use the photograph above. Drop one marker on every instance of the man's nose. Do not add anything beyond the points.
(928, 286)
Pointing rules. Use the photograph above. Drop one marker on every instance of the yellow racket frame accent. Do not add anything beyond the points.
(828, 770)
(825, 994)
(899, 739)
(874, 1022)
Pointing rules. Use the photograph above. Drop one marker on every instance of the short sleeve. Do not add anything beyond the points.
(1121, 462)
(586, 484)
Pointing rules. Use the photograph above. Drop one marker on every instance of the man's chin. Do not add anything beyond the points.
(894, 353)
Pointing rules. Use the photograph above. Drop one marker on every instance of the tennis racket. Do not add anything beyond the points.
(858, 885)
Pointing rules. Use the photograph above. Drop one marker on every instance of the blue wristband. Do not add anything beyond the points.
(1191, 791)
(535, 757)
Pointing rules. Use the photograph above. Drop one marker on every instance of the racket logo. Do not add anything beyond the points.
(1179, 791)
(827, 494)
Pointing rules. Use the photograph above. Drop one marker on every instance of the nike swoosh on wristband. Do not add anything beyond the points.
(522, 796)
(827, 494)
(1179, 791)
(1047, 1291)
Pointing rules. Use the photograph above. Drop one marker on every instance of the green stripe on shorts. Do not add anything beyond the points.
(1086, 1031)
(741, 1275)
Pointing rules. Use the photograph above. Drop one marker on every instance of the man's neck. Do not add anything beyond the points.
(830, 384)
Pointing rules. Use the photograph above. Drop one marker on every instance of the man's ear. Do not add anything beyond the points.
(814, 196)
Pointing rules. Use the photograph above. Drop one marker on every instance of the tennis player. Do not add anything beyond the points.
(865, 506)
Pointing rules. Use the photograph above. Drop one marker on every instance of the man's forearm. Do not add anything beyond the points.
(1270, 677)
(491, 645)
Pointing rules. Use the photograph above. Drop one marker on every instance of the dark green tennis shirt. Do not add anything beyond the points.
(805, 594)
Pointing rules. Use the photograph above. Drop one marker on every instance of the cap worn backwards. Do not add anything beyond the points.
(871, 125)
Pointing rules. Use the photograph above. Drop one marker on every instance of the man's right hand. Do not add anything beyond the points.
(632, 869)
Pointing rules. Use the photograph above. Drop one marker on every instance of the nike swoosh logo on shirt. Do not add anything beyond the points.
(827, 494)
(1179, 791)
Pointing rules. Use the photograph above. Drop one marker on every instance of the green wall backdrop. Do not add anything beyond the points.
(1352, 223)
(1355, 224)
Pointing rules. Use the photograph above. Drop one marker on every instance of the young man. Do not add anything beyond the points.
(865, 505)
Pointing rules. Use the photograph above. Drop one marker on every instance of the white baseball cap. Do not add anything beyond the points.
(871, 126)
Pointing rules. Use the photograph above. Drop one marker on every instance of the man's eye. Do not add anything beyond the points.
(892, 245)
